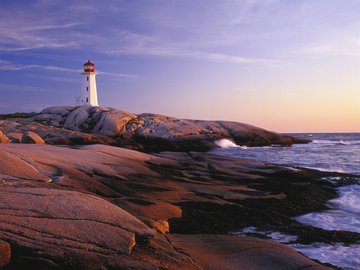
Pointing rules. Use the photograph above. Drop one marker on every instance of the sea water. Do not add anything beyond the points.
(337, 152)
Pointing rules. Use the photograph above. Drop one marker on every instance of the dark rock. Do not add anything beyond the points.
(15, 137)
(31, 137)
(5, 253)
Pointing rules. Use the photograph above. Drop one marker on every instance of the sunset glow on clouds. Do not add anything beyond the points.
(289, 66)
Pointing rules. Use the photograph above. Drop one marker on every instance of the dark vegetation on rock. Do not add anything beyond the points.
(17, 115)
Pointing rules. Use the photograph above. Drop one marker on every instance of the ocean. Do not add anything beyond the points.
(336, 152)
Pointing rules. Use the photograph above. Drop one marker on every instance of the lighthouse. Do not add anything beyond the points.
(88, 91)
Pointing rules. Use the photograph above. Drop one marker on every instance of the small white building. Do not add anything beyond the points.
(88, 91)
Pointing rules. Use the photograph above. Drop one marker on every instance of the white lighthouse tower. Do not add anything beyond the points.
(88, 91)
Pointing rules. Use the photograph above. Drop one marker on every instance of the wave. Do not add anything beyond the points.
(226, 143)
(337, 254)
(338, 142)
(349, 199)
(340, 255)
(332, 168)
(345, 213)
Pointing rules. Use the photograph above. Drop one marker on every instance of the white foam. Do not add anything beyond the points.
(345, 214)
(226, 143)
(349, 199)
(274, 235)
(331, 168)
(324, 142)
(332, 220)
(340, 142)
(282, 237)
(337, 254)
(346, 257)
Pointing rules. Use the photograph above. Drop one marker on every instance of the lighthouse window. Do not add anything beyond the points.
(87, 100)
(87, 78)
(87, 88)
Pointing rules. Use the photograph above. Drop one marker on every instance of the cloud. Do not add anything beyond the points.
(178, 30)
(120, 75)
(349, 47)
(143, 45)
(220, 57)
(182, 53)
(22, 39)
(21, 88)
(21, 29)
(50, 27)
(9, 66)
(319, 49)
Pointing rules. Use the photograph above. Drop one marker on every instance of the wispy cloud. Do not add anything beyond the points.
(119, 75)
(26, 39)
(22, 29)
(9, 66)
(21, 88)
(208, 56)
(50, 27)
(349, 47)
(143, 45)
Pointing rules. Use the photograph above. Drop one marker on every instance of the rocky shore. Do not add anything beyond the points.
(72, 199)
(104, 207)
(144, 132)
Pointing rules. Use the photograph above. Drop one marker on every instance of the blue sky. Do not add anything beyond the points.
(282, 65)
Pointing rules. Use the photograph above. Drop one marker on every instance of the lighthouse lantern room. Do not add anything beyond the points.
(88, 91)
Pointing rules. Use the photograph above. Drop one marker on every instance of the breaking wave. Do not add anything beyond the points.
(344, 215)
(226, 143)
(346, 257)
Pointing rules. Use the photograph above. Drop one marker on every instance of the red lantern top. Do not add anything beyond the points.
(89, 66)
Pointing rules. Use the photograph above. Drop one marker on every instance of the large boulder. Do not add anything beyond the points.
(3, 138)
(5, 253)
(65, 227)
(113, 122)
(31, 137)
(97, 120)
(78, 117)
(15, 137)
(228, 252)
(58, 110)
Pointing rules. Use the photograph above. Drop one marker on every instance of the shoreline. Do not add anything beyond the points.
(201, 196)
(176, 194)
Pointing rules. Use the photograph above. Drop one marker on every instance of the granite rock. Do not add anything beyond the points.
(3, 138)
(31, 137)
(146, 132)
(104, 207)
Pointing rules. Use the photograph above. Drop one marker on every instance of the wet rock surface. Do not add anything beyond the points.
(103, 207)
(146, 132)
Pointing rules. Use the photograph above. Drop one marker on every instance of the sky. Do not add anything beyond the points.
(287, 66)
